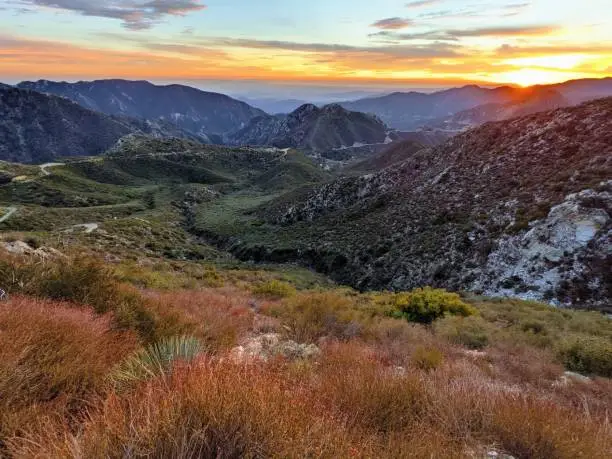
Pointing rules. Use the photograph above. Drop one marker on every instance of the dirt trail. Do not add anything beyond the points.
(8, 214)
(43, 167)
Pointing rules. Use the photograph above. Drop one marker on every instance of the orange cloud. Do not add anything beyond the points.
(226, 58)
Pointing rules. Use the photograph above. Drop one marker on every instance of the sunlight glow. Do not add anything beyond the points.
(561, 62)
(532, 76)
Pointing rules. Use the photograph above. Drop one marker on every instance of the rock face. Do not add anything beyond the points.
(555, 254)
(520, 208)
(198, 112)
(313, 128)
(270, 345)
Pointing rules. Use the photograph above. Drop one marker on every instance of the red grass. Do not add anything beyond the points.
(358, 399)
(54, 360)
(218, 317)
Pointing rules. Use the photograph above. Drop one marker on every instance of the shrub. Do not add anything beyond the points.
(427, 358)
(157, 359)
(81, 280)
(84, 281)
(275, 289)
(472, 332)
(587, 354)
(310, 316)
(425, 305)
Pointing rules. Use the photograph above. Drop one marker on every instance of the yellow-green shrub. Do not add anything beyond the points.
(587, 354)
(427, 304)
(275, 289)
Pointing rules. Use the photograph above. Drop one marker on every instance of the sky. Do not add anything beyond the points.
(341, 44)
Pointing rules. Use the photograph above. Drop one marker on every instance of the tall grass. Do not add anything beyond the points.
(54, 359)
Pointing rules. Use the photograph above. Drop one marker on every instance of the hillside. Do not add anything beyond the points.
(198, 112)
(532, 101)
(35, 127)
(395, 153)
(520, 208)
(411, 110)
(312, 128)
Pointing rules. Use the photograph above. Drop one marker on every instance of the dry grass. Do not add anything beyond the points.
(54, 360)
(381, 387)
(218, 317)
(349, 404)
(210, 410)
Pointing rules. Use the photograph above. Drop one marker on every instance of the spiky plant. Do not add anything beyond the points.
(156, 360)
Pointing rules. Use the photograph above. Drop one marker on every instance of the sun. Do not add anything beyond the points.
(530, 77)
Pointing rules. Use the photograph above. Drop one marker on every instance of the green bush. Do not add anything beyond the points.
(424, 305)
(472, 332)
(275, 289)
(81, 280)
(587, 355)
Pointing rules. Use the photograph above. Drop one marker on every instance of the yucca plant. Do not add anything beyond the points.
(156, 360)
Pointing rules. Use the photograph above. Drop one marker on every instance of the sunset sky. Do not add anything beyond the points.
(426, 43)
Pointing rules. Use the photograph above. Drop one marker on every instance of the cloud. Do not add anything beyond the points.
(519, 51)
(421, 3)
(510, 31)
(428, 51)
(453, 35)
(514, 9)
(135, 14)
(391, 23)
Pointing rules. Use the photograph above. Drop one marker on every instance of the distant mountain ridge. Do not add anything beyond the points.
(198, 112)
(37, 127)
(313, 128)
(534, 101)
(411, 110)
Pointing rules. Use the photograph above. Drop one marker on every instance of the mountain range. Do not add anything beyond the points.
(197, 112)
(37, 127)
(312, 128)
(411, 110)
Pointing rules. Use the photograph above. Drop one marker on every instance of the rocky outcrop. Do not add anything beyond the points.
(312, 128)
(270, 345)
(553, 260)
